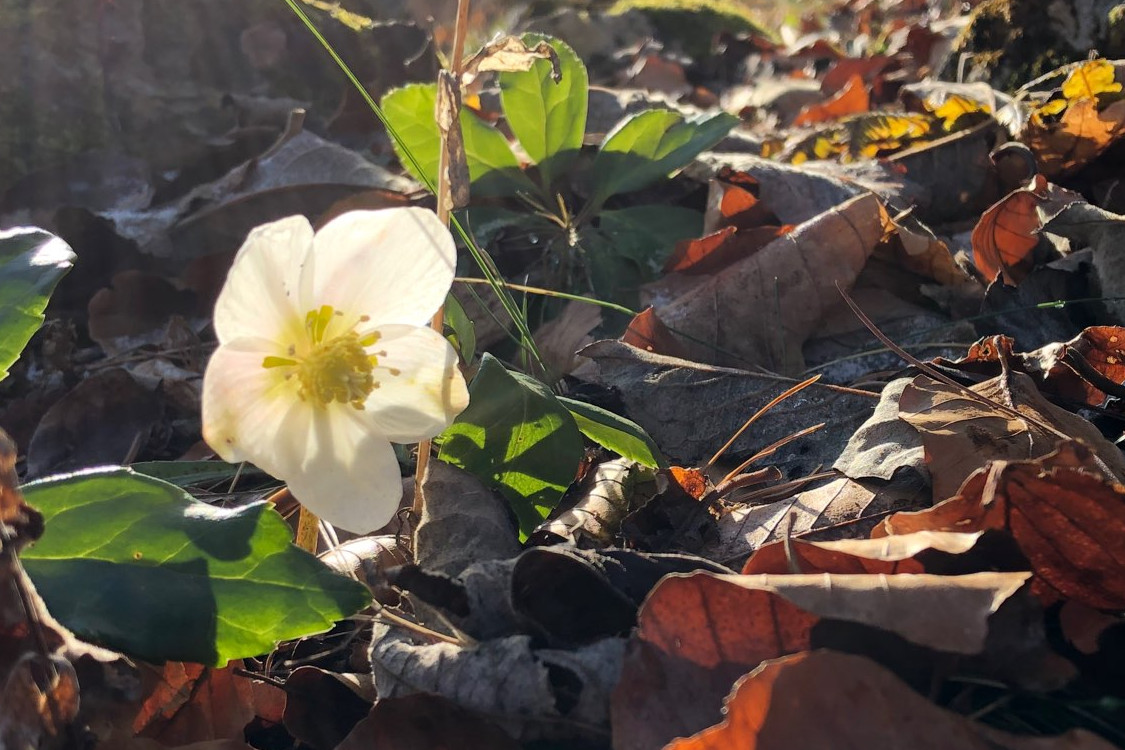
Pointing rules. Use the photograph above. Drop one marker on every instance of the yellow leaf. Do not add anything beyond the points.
(954, 107)
(1089, 79)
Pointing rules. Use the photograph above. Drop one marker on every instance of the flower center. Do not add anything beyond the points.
(336, 369)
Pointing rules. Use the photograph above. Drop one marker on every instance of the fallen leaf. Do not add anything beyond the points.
(647, 332)
(425, 722)
(962, 434)
(1078, 138)
(856, 704)
(904, 555)
(763, 307)
(1067, 520)
(851, 99)
(704, 630)
(1008, 232)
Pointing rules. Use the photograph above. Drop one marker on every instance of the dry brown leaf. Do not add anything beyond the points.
(561, 337)
(843, 507)
(425, 722)
(826, 699)
(890, 555)
(1079, 137)
(1063, 367)
(962, 434)
(1067, 520)
(191, 703)
(704, 630)
(1008, 232)
(648, 332)
(762, 308)
(849, 100)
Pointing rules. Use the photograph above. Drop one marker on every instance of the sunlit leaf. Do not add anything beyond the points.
(517, 436)
(139, 566)
(31, 263)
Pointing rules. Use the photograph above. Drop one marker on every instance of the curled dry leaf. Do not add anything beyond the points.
(647, 332)
(962, 434)
(1072, 369)
(704, 630)
(890, 555)
(463, 522)
(827, 699)
(1007, 234)
(607, 495)
(763, 307)
(852, 99)
(535, 693)
(1067, 520)
(1078, 138)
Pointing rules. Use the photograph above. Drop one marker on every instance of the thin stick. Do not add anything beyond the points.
(777, 400)
(444, 209)
(771, 449)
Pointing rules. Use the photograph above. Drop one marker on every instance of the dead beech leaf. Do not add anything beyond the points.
(191, 703)
(1079, 137)
(825, 699)
(714, 252)
(843, 507)
(704, 630)
(914, 247)
(425, 722)
(852, 99)
(889, 555)
(1067, 520)
(647, 332)
(510, 54)
(762, 308)
(732, 201)
(606, 495)
(1063, 367)
(1008, 232)
(962, 434)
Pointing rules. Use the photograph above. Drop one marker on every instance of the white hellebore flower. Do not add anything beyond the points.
(325, 357)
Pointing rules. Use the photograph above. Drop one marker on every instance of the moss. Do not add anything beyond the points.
(1010, 42)
(694, 23)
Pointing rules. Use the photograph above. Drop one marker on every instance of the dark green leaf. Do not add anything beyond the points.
(548, 118)
(493, 167)
(648, 234)
(516, 435)
(139, 566)
(650, 145)
(31, 263)
(609, 430)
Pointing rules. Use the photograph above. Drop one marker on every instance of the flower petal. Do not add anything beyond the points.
(350, 477)
(427, 393)
(394, 265)
(260, 296)
(251, 413)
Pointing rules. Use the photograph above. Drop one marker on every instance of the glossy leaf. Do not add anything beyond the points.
(617, 433)
(31, 263)
(547, 117)
(139, 566)
(650, 145)
(493, 167)
(517, 436)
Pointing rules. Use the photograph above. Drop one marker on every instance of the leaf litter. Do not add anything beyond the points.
(899, 574)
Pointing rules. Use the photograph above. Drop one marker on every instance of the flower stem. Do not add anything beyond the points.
(444, 209)
(308, 526)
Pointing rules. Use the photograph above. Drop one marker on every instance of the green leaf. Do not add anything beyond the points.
(548, 118)
(516, 435)
(648, 234)
(139, 566)
(609, 430)
(31, 263)
(493, 168)
(192, 473)
(463, 328)
(650, 145)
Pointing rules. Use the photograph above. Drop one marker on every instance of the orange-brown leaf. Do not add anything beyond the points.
(852, 99)
(1067, 520)
(1007, 233)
